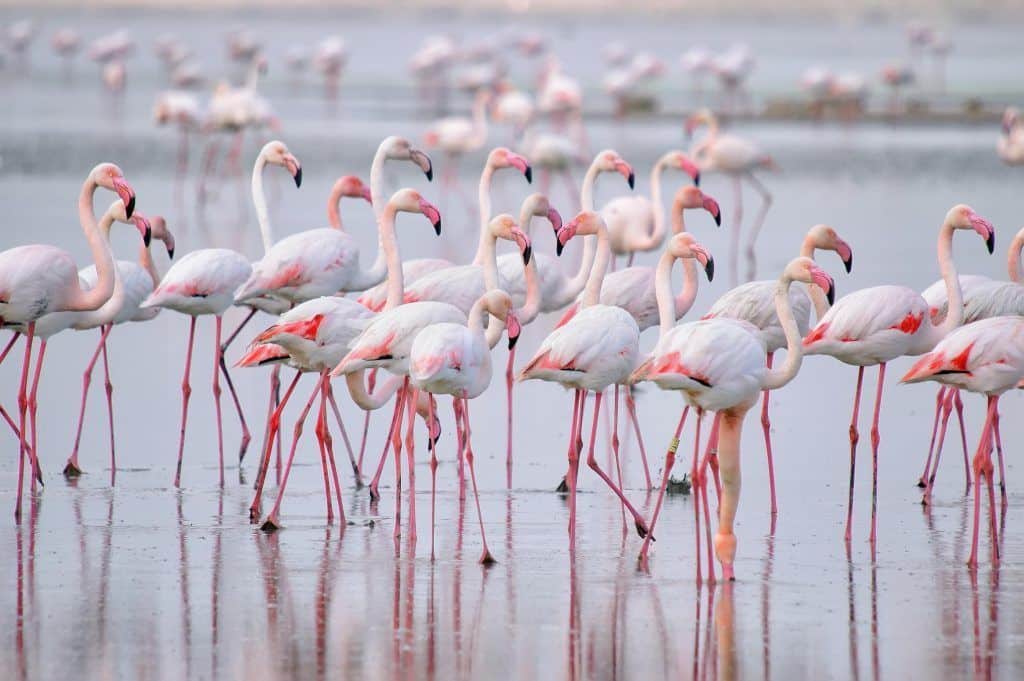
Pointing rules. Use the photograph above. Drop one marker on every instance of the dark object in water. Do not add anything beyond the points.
(681, 486)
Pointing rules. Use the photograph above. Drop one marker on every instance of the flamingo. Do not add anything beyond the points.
(513, 107)
(596, 349)
(203, 283)
(637, 223)
(897, 76)
(330, 58)
(38, 279)
(1010, 145)
(985, 357)
(733, 68)
(456, 136)
(718, 365)
(183, 110)
(983, 298)
(134, 282)
(875, 325)
(754, 302)
(455, 359)
(66, 43)
(738, 158)
(20, 36)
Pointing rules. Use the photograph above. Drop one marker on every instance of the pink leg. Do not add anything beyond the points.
(574, 462)
(460, 433)
(958, 403)
(10, 344)
(374, 494)
(999, 456)
(33, 408)
(698, 489)
(271, 406)
(22, 414)
(108, 387)
(854, 437)
(246, 435)
(410, 455)
(71, 468)
(508, 393)
(615, 454)
(670, 458)
(273, 521)
(216, 397)
(329, 444)
(984, 445)
(186, 393)
(320, 430)
(433, 479)
(485, 558)
(939, 397)
(874, 456)
(641, 525)
(631, 408)
(766, 425)
(344, 435)
(947, 407)
(273, 425)
(396, 444)
(371, 381)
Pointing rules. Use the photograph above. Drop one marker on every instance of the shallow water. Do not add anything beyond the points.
(141, 580)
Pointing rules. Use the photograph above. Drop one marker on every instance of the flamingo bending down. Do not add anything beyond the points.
(754, 302)
(136, 280)
(38, 279)
(984, 357)
(718, 365)
(596, 349)
(455, 359)
(738, 158)
(637, 223)
(875, 325)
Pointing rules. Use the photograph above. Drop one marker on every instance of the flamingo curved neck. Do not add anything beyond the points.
(954, 294)
(1013, 259)
(389, 248)
(105, 312)
(484, 199)
(657, 235)
(99, 247)
(592, 291)
(259, 199)
(663, 293)
(821, 306)
(576, 284)
(531, 306)
(146, 263)
(384, 390)
(334, 209)
(777, 377)
(377, 180)
(684, 301)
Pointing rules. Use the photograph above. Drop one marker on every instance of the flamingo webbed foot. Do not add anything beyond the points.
(486, 559)
(563, 487)
(271, 524)
(71, 470)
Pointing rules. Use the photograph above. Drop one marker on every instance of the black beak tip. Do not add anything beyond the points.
(512, 340)
(437, 227)
(429, 172)
(709, 269)
(848, 264)
(527, 254)
(718, 219)
(631, 180)
(147, 237)
(990, 242)
(130, 208)
(831, 294)
(696, 180)
(170, 253)
(559, 248)
(298, 177)
(529, 174)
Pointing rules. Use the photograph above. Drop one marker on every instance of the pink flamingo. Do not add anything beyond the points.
(636, 224)
(875, 325)
(718, 365)
(596, 349)
(38, 279)
(984, 357)
(754, 302)
(183, 111)
(983, 298)
(455, 359)
(66, 43)
(457, 136)
(1010, 145)
(738, 158)
(135, 281)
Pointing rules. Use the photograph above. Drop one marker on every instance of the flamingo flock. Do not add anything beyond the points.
(410, 333)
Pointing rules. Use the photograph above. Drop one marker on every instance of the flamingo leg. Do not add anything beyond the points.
(216, 396)
(980, 456)
(319, 430)
(711, 458)
(696, 478)
(670, 458)
(71, 468)
(958, 403)
(344, 435)
(615, 453)
(999, 456)
(25, 451)
(374, 494)
(410, 455)
(485, 558)
(273, 425)
(371, 381)
(875, 439)
(33, 408)
(631, 409)
(246, 435)
(755, 228)
(396, 444)
(766, 425)
(574, 461)
(923, 480)
(947, 407)
(271, 406)
(108, 387)
(329, 443)
(273, 520)
(186, 393)
(10, 344)
(432, 446)
(641, 525)
(459, 455)
(854, 438)
(275, 382)
(508, 394)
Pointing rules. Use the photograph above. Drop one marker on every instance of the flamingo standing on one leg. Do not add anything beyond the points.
(455, 359)
(135, 281)
(754, 302)
(738, 158)
(38, 279)
(875, 325)
(718, 365)
(984, 357)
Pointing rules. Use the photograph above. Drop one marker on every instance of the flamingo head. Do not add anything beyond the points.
(352, 187)
(118, 212)
(962, 216)
(587, 222)
(109, 176)
(410, 201)
(162, 233)
(499, 304)
(683, 245)
(825, 238)
(610, 161)
(696, 120)
(276, 152)
(805, 270)
(400, 149)
(678, 159)
(503, 158)
(504, 227)
(691, 198)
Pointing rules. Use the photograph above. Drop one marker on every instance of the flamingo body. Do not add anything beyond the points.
(202, 282)
(754, 302)
(387, 340)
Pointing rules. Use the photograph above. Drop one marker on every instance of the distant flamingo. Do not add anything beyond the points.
(984, 357)
(136, 280)
(596, 349)
(718, 365)
(457, 136)
(455, 359)
(754, 302)
(513, 107)
(738, 158)
(181, 109)
(875, 325)
(66, 44)
(1010, 145)
(38, 279)
(637, 223)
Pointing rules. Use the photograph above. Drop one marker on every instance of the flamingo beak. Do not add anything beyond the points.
(555, 218)
(626, 171)
(711, 206)
(145, 229)
(985, 229)
(564, 235)
(365, 193)
(822, 280)
(523, 241)
(705, 259)
(520, 162)
(846, 253)
(127, 195)
(423, 161)
(691, 169)
(295, 168)
(432, 214)
(514, 328)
